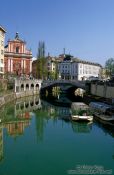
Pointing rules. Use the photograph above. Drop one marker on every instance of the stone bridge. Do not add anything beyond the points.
(64, 84)
(39, 85)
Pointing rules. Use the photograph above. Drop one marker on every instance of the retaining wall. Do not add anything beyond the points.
(102, 91)
(13, 96)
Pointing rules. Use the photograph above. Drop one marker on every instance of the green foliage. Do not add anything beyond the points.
(81, 112)
(109, 66)
(41, 70)
(41, 49)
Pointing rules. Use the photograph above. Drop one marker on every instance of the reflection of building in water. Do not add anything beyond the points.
(28, 104)
(16, 117)
(40, 125)
(57, 111)
(1, 141)
(16, 128)
(64, 112)
(81, 127)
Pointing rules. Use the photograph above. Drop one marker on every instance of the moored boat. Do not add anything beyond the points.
(82, 118)
(102, 111)
(81, 112)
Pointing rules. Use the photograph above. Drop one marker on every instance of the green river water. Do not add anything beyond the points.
(37, 139)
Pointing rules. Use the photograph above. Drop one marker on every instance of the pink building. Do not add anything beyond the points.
(17, 59)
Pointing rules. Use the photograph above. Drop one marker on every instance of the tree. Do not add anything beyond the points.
(109, 66)
(41, 62)
(56, 70)
(41, 50)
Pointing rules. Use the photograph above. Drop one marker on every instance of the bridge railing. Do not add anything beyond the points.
(46, 83)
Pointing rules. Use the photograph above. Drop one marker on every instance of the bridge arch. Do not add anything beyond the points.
(37, 86)
(27, 87)
(26, 105)
(22, 87)
(32, 86)
(65, 85)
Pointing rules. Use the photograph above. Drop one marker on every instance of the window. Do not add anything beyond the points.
(1, 60)
(1, 69)
(2, 52)
(17, 49)
(2, 43)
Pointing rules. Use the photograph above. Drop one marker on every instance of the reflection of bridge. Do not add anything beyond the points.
(27, 104)
(61, 112)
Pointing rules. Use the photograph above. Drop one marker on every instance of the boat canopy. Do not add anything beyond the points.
(100, 106)
(79, 105)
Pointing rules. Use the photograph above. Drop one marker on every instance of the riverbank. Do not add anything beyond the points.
(10, 96)
(14, 96)
(89, 98)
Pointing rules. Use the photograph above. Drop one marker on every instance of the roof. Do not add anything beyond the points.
(1, 28)
(17, 39)
(85, 62)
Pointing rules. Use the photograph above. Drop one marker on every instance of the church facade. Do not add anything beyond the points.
(17, 59)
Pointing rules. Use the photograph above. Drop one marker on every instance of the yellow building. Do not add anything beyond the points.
(2, 39)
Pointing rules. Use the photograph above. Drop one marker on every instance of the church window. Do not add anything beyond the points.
(17, 49)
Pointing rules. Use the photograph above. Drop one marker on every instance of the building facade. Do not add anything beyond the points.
(78, 69)
(17, 59)
(2, 39)
(51, 67)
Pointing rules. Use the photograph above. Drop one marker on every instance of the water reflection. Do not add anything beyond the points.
(79, 127)
(17, 116)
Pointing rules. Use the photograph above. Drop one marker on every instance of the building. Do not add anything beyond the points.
(2, 39)
(51, 67)
(17, 59)
(77, 69)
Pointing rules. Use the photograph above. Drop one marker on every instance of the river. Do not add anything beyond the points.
(37, 137)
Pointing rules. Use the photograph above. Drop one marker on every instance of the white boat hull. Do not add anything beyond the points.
(82, 118)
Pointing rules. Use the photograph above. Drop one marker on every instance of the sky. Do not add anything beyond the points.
(85, 28)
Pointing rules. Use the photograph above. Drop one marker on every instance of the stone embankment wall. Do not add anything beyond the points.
(105, 91)
(13, 96)
(3, 84)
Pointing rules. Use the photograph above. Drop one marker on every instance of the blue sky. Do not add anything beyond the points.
(84, 27)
